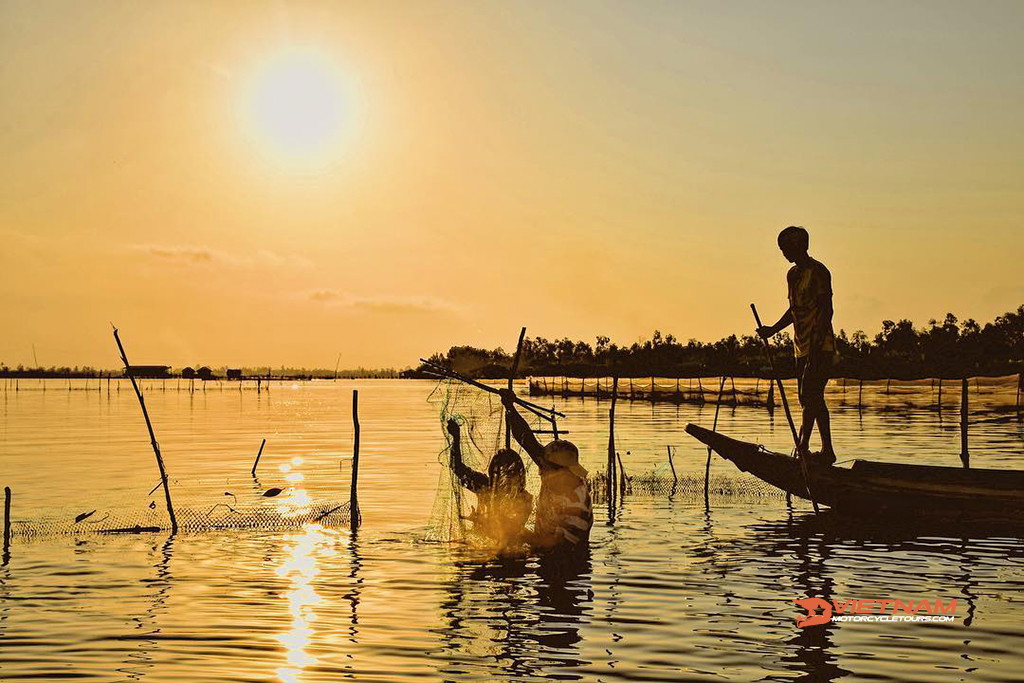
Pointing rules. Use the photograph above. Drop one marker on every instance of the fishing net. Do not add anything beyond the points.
(200, 505)
(985, 394)
(481, 418)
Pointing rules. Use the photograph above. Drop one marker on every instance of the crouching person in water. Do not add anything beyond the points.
(503, 503)
(564, 514)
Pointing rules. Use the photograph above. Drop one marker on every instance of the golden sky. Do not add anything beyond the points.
(249, 183)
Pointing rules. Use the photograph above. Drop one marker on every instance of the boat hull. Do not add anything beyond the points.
(872, 489)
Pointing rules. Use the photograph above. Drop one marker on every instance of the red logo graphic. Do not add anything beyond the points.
(821, 611)
(813, 617)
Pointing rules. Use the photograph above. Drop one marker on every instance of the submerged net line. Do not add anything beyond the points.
(199, 505)
(658, 484)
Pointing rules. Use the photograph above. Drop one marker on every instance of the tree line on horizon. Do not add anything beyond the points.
(950, 348)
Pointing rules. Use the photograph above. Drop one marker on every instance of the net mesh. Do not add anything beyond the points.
(199, 505)
(985, 394)
(481, 419)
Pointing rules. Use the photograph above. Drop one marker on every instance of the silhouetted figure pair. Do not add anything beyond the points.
(564, 514)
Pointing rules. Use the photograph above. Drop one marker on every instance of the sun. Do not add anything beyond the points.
(297, 108)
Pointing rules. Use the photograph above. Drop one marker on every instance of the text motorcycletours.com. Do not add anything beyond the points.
(888, 610)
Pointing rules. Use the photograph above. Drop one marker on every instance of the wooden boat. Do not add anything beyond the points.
(874, 488)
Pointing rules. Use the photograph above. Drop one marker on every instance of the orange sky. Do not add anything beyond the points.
(578, 168)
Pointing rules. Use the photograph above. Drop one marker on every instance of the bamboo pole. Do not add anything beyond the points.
(611, 451)
(785, 406)
(152, 436)
(258, 454)
(355, 517)
(939, 403)
(965, 456)
(672, 465)
(511, 378)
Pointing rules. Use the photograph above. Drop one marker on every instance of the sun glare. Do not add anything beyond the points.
(297, 109)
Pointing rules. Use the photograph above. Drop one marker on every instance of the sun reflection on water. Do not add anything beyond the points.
(301, 566)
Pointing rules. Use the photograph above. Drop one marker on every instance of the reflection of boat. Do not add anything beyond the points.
(874, 488)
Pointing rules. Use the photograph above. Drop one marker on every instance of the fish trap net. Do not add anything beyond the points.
(199, 505)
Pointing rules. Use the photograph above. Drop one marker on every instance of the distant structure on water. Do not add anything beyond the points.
(148, 371)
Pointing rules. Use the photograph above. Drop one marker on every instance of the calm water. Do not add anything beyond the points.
(672, 591)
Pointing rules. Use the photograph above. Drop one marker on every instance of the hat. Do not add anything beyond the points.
(565, 454)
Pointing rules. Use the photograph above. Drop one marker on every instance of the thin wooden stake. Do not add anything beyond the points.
(152, 436)
(611, 451)
(672, 465)
(258, 454)
(965, 456)
(714, 428)
(353, 500)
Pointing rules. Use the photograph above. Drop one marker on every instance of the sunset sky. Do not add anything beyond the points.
(273, 183)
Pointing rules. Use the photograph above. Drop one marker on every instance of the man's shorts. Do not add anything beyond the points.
(813, 376)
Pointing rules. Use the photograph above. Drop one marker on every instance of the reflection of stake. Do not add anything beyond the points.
(7, 525)
(152, 436)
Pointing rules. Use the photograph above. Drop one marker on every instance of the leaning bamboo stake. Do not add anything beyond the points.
(355, 517)
(672, 465)
(152, 436)
(258, 454)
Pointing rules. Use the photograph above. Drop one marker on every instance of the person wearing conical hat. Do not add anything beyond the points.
(564, 514)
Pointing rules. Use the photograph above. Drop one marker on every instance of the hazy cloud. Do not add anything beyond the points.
(202, 255)
(383, 303)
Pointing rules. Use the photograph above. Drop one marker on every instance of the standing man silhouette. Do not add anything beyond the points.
(814, 342)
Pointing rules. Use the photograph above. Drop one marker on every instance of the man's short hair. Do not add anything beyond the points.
(796, 235)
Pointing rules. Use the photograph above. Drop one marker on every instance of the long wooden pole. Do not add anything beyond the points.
(355, 517)
(511, 378)
(441, 371)
(152, 436)
(785, 406)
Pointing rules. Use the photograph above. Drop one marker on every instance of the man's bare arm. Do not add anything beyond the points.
(521, 431)
(785, 321)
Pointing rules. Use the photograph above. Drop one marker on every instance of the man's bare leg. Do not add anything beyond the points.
(825, 431)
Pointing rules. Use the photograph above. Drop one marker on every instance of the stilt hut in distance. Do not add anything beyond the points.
(148, 371)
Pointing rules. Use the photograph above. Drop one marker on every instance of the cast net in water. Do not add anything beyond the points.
(481, 419)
